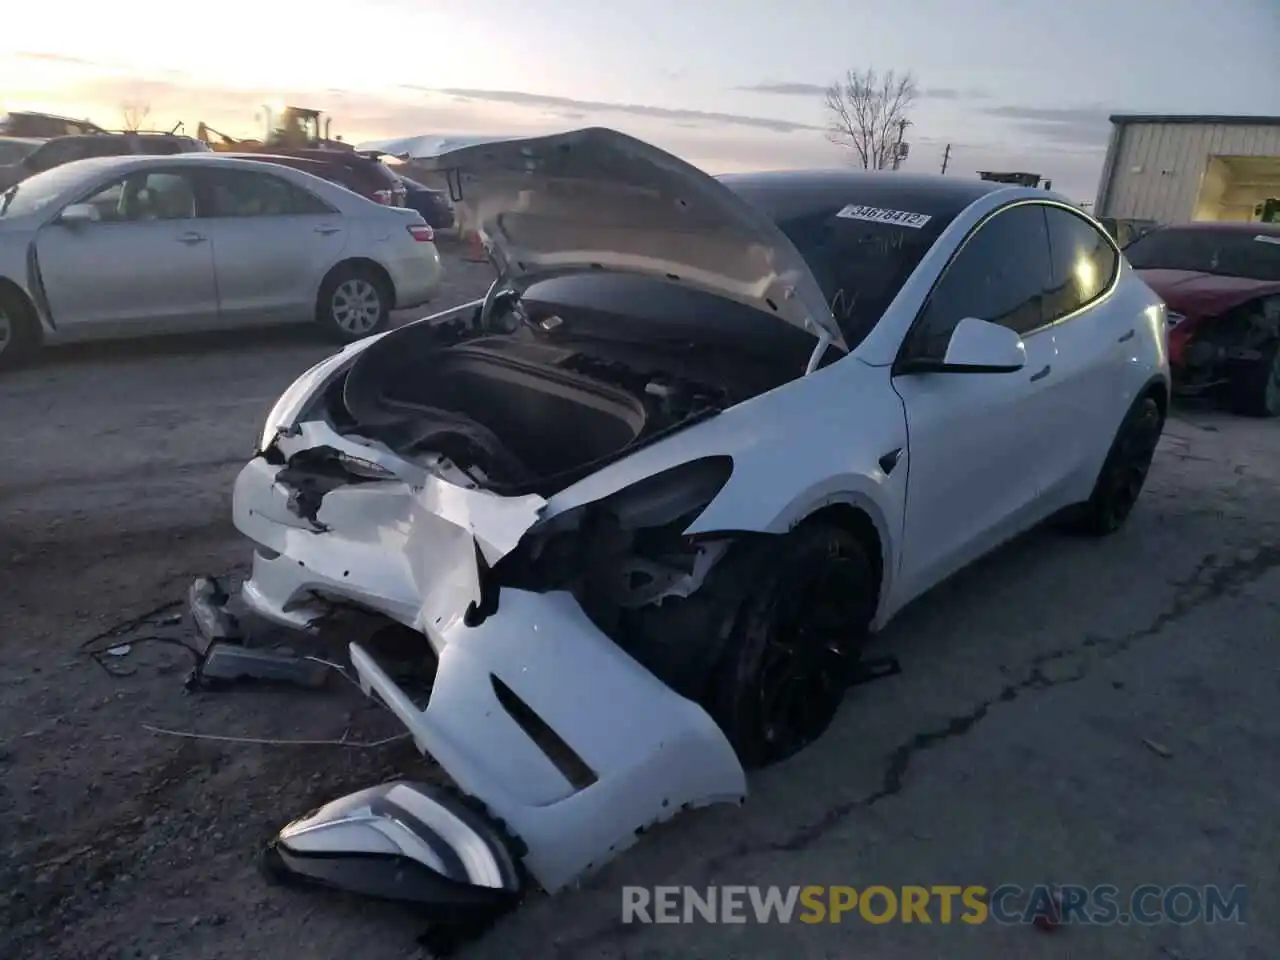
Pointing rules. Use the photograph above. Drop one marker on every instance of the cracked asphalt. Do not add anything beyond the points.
(1015, 747)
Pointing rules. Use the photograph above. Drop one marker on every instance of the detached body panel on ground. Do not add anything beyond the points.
(647, 499)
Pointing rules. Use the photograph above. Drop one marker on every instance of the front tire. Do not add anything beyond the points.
(1255, 387)
(19, 330)
(1124, 473)
(354, 303)
(800, 621)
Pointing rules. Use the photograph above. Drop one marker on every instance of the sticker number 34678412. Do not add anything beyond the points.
(901, 218)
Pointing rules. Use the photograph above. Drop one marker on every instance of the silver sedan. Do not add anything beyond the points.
(126, 246)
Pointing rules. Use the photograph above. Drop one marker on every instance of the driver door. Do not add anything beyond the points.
(141, 263)
(976, 438)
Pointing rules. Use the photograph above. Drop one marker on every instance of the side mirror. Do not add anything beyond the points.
(976, 346)
(78, 213)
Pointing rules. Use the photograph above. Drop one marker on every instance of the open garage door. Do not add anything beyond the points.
(1240, 189)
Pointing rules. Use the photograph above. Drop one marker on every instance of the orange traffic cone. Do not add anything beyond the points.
(476, 252)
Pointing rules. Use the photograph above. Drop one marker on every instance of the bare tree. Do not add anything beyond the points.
(134, 113)
(867, 111)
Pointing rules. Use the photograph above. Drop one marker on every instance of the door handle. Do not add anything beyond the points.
(327, 230)
(1127, 336)
(1041, 375)
(190, 238)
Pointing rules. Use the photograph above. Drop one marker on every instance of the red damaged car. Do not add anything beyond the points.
(1221, 282)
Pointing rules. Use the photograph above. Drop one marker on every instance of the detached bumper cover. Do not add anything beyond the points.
(523, 703)
(651, 751)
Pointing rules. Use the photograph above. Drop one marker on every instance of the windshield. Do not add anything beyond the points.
(12, 151)
(1228, 253)
(35, 193)
(860, 265)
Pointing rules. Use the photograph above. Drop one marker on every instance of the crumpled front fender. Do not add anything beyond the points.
(540, 665)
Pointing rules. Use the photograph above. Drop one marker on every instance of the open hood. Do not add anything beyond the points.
(596, 199)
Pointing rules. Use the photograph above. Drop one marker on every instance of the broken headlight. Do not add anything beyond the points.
(649, 516)
(297, 397)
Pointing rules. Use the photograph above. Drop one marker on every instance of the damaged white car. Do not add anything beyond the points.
(647, 500)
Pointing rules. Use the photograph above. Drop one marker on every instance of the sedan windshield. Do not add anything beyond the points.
(1228, 253)
(35, 193)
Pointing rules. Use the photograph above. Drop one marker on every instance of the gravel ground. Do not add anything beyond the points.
(1010, 750)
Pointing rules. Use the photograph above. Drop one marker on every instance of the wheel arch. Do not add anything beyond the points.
(367, 264)
(856, 521)
(1158, 389)
(10, 288)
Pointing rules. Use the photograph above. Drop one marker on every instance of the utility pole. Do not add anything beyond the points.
(897, 150)
(946, 158)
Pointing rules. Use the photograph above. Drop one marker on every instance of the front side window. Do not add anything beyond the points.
(1229, 253)
(57, 152)
(145, 197)
(1084, 263)
(1000, 275)
(241, 193)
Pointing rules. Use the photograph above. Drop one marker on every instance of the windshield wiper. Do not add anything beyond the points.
(7, 198)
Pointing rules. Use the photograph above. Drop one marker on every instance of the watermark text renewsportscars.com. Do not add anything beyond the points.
(1008, 904)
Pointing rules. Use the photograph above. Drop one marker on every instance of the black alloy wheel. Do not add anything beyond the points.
(1124, 473)
(798, 635)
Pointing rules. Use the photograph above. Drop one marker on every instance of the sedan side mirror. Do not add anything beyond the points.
(976, 346)
(78, 213)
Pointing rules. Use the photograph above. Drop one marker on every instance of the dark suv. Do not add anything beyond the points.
(365, 175)
(25, 123)
(59, 150)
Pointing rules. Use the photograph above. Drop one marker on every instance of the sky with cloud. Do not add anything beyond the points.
(727, 84)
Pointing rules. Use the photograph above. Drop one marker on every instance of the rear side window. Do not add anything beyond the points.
(242, 193)
(1000, 275)
(106, 147)
(159, 146)
(1084, 263)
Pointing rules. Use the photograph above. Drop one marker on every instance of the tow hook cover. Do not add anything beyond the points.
(401, 841)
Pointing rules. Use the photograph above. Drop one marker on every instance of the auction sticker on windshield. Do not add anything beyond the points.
(901, 218)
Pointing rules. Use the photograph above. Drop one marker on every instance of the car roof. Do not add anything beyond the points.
(125, 162)
(272, 158)
(1227, 226)
(794, 193)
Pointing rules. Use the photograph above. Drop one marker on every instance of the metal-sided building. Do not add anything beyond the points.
(1172, 169)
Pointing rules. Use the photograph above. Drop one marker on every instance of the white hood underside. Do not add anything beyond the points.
(596, 199)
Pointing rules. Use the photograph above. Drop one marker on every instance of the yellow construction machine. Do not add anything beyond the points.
(287, 128)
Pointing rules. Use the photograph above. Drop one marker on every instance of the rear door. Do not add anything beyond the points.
(273, 242)
(144, 264)
(1093, 328)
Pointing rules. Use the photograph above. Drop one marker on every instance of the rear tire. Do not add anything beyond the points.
(801, 610)
(1254, 388)
(19, 330)
(1123, 474)
(354, 303)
